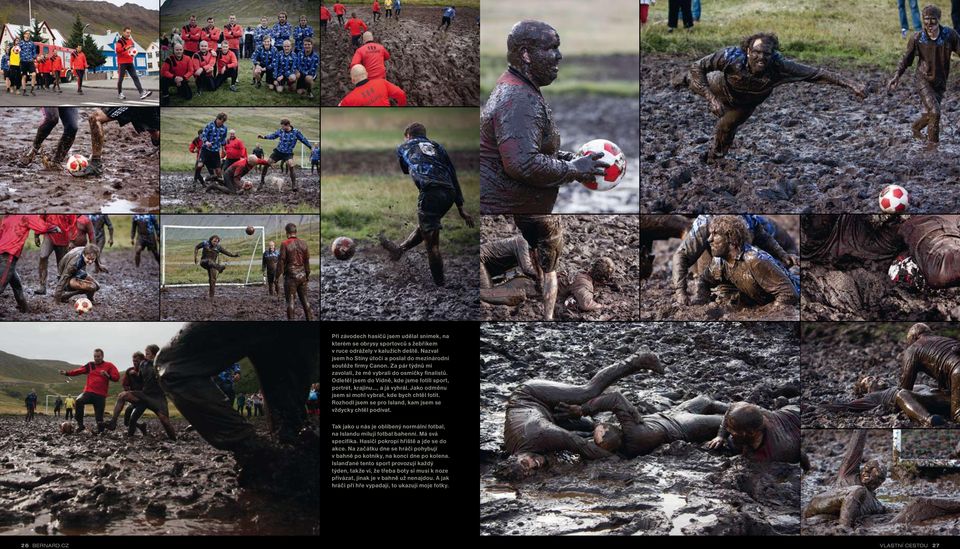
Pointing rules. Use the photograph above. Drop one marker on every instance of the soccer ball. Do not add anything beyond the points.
(16, 49)
(66, 427)
(343, 248)
(247, 186)
(76, 163)
(249, 229)
(894, 199)
(83, 305)
(133, 52)
(611, 155)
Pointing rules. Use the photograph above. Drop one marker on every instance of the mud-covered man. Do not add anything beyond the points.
(99, 375)
(544, 236)
(936, 356)
(293, 265)
(742, 272)
(853, 494)
(146, 226)
(933, 45)
(583, 286)
(497, 259)
(658, 227)
(99, 221)
(696, 243)
(14, 230)
(737, 79)
(521, 164)
(83, 232)
(131, 381)
(211, 251)
(149, 397)
(435, 176)
(269, 268)
(56, 243)
(761, 435)
(73, 276)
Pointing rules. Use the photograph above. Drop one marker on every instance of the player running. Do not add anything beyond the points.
(339, 9)
(99, 375)
(269, 268)
(211, 252)
(126, 52)
(150, 397)
(372, 56)
(324, 17)
(14, 230)
(142, 118)
(283, 153)
(146, 225)
(99, 221)
(371, 93)
(50, 117)
(214, 137)
(356, 27)
(449, 13)
(294, 266)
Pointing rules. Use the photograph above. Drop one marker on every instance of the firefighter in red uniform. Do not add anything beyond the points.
(371, 93)
(99, 375)
(14, 230)
(372, 56)
(356, 28)
(191, 34)
(233, 34)
(176, 72)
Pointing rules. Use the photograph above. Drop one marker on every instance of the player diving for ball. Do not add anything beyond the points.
(211, 252)
(146, 225)
(142, 118)
(233, 182)
(283, 153)
(737, 79)
(73, 276)
(435, 176)
(58, 243)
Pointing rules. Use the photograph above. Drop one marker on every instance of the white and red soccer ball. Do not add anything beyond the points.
(76, 163)
(343, 248)
(133, 52)
(894, 199)
(613, 156)
(83, 305)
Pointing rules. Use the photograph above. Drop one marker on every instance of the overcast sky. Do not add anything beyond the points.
(74, 342)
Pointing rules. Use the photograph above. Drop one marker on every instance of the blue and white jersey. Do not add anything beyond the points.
(81, 265)
(258, 34)
(427, 163)
(450, 13)
(225, 378)
(315, 155)
(288, 140)
(5, 62)
(217, 137)
(284, 65)
(149, 219)
(299, 33)
(28, 51)
(263, 57)
(274, 255)
(308, 64)
(280, 33)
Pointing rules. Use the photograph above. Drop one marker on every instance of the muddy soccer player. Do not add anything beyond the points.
(131, 381)
(149, 397)
(853, 494)
(376, 11)
(737, 79)
(324, 18)
(233, 176)
(283, 153)
(56, 243)
(521, 164)
(372, 93)
(760, 435)
(544, 236)
(696, 244)
(356, 27)
(31, 402)
(195, 147)
(214, 136)
(263, 59)
(435, 176)
(14, 230)
(99, 221)
(208, 261)
(269, 268)
(146, 226)
(73, 278)
(294, 266)
(658, 227)
(315, 159)
(286, 361)
(50, 117)
(500, 257)
(99, 375)
(582, 288)
(449, 13)
(83, 232)
(933, 45)
(142, 118)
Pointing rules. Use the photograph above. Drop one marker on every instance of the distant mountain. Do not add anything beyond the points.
(16, 368)
(102, 16)
(248, 12)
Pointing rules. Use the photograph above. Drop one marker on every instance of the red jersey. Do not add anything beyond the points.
(233, 35)
(196, 145)
(78, 61)
(96, 383)
(67, 223)
(355, 26)
(372, 55)
(376, 7)
(82, 232)
(211, 35)
(324, 13)
(240, 168)
(374, 93)
(191, 38)
(174, 67)
(339, 9)
(14, 230)
(123, 48)
(56, 64)
(226, 61)
(235, 149)
(205, 62)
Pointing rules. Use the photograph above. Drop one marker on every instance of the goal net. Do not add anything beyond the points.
(927, 447)
(178, 243)
(305, 151)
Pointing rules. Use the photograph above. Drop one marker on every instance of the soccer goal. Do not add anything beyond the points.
(927, 447)
(46, 402)
(305, 152)
(178, 243)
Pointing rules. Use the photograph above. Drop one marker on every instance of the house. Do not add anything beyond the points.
(153, 58)
(11, 31)
(107, 44)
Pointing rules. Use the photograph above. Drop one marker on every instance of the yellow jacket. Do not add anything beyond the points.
(70, 402)
(14, 58)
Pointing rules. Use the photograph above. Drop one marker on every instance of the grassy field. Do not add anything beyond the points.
(457, 129)
(179, 127)
(121, 233)
(847, 32)
(573, 78)
(361, 207)
(246, 94)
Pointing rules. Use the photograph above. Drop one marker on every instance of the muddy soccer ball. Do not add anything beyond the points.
(66, 427)
(249, 229)
(894, 199)
(82, 305)
(247, 185)
(343, 248)
(76, 163)
(611, 155)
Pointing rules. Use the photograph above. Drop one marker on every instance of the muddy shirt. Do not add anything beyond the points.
(661, 227)
(582, 290)
(641, 434)
(211, 252)
(151, 383)
(502, 255)
(832, 236)
(82, 232)
(757, 275)
(429, 166)
(934, 65)
(781, 436)
(519, 171)
(934, 243)
(543, 233)
(938, 356)
(696, 243)
(132, 380)
(146, 225)
(270, 260)
(99, 221)
(294, 259)
(529, 427)
(72, 265)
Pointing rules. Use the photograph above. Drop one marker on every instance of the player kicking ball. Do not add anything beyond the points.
(143, 119)
(288, 136)
(211, 252)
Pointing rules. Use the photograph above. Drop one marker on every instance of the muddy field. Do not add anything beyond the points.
(233, 303)
(825, 449)
(371, 287)
(432, 68)
(54, 484)
(128, 184)
(656, 293)
(860, 290)
(808, 148)
(586, 238)
(385, 162)
(837, 354)
(679, 488)
(179, 194)
(126, 292)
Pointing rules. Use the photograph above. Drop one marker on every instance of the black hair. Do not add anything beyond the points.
(765, 36)
(415, 130)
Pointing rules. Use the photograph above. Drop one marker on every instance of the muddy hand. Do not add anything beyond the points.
(792, 260)
(567, 411)
(566, 156)
(716, 107)
(588, 167)
(715, 443)
(893, 83)
(467, 218)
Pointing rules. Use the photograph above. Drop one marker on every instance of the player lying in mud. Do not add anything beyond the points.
(927, 353)
(737, 79)
(543, 417)
(926, 248)
(853, 493)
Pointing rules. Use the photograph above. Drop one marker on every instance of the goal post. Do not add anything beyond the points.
(178, 243)
(927, 447)
(305, 152)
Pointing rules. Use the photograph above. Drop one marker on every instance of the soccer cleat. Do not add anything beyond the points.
(94, 167)
(28, 157)
(146, 94)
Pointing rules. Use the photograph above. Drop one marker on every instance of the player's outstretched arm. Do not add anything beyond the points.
(905, 62)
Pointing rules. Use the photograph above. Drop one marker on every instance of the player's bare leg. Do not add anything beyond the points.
(293, 174)
(97, 119)
(122, 400)
(397, 250)
(136, 254)
(263, 174)
(432, 240)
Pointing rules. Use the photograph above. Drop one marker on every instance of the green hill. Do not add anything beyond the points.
(15, 368)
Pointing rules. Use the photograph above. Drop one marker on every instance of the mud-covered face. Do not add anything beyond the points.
(760, 55)
(89, 259)
(932, 26)
(135, 360)
(872, 475)
(719, 244)
(869, 384)
(602, 269)
(543, 59)
(530, 462)
(215, 241)
(746, 438)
